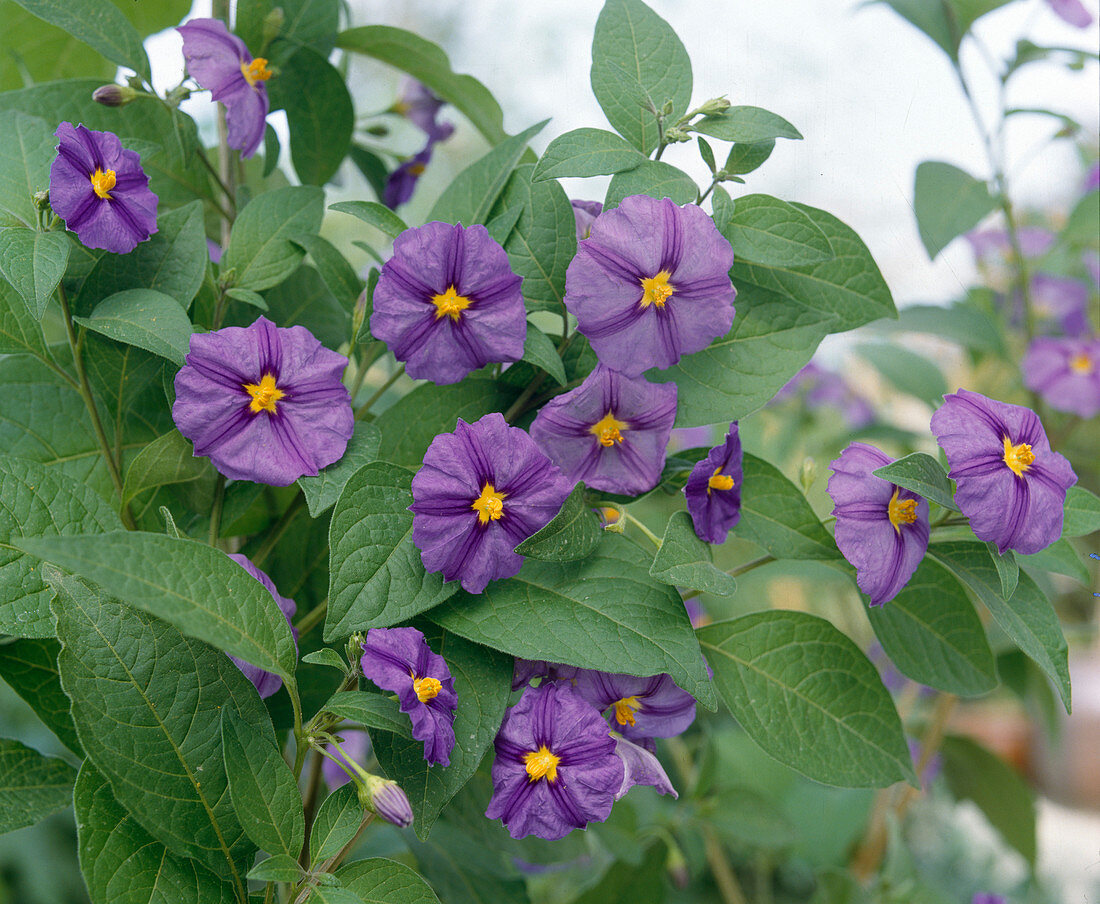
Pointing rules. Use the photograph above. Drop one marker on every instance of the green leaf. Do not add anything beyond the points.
(261, 250)
(371, 710)
(483, 683)
(380, 880)
(1008, 569)
(20, 332)
(306, 23)
(322, 491)
(1027, 616)
(326, 656)
(30, 669)
(654, 178)
(635, 55)
(264, 792)
(304, 299)
(1081, 514)
(604, 613)
(776, 516)
(101, 26)
(197, 588)
(1061, 558)
(747, 125)
(945, 22)
(39, 502)
(948, 202)
(707, 153)
(26, 153)
(769, 231)
(337, 273)
(169, 459)
(124, 864)
(539, 350)
(428, 64)
(572, 534)
(145, 318)
(376, 578)
(32, 786)
(474, 191)
(248, 297)
(337, 822)
(319, 114)
(744, 157)
(279, 868)
(684, 560)
(32, 51)
(922, 474)
(586, 152)
(974, 773)
(33, 262)
(932, 634)
(137, 684)
(910, 373)
(807, 695)
(373, 214)
(637, 884)
(961, 323)
(1081, 225)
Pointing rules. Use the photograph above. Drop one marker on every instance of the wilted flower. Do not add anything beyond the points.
(638, 708)
(220, 61)
(265, 403)
(447, 302)
(267, 683)
(881, 528)
(1010, 484)
(1071, 11)
(555, 769)
(482, 491)
(585, 213)
(400, 660)
(100, 190)
(713, 490)
(353, 751)
(1066, 373)
(420, 105)
(641, 767)
(650, 284)
(611, 431)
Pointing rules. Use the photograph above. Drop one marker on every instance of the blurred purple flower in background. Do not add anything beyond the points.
(355, 747)
(826, 389)
(420, 106)
(402, 181)
(638, 708)
(993, 247)
(985, 897)
(713, 490)
(267, 683)
(1066, 373)
(526, 670)
(1071, 11)
(1057, 299)
(585, 213)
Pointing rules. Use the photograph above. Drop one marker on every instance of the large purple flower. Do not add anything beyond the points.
(555, 769)
(482, 491)
(100, 190)
(447, 302)
(267, 683)
(400, 660)
(638, 708)
(881, 528)
(220, 62)
(651, 283)
(1066, 372)
(713, 490)
(265, 403)
(611, 431)
(1010, 484)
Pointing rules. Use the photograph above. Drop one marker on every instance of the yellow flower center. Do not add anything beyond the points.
(1081, 364)
(426, 688)
(541, 763)
(656, 290)
(489, 505)
(264, 395)
(450, 303)
(1018, 457)
(901, 511)
(719, 481)
(608, 430)
(256, 71)
(103, 182)
(624, 710)
(417, 169)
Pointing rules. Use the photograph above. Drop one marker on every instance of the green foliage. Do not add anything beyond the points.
(654, 178)
(33, 262)
(305, 23)
(922, 474)
(25, 159)
(379, 879)
(948, 202)
(261, 248)
(1081, 514)
(539, 350)
(744, 157)
(747, 125)
(146, 318)
(337, 822)
(766, 230)
(946, 22)
(30, 668)
(20, 332)
(169, 459)
(685, 561)
(586, 152)
(371, 710)
(909, 372)
(572, 534)
(322, 491)
(32, 786)
(373, 214)
(279, 868)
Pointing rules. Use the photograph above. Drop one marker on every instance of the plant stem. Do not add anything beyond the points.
(653, 538)
(277, 531)
(727, 883)
(381, 391)
(216, 512)
(710, 188)
(313, 785)
(930, 744)
(301, 748)
(311, 618)
(229, 213)
(519, 405)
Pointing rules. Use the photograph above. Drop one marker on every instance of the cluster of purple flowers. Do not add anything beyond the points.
(420, 106)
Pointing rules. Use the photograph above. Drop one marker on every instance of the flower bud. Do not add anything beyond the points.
(667, 109)
(715, 106)
(381, 796)
(358, 314)
(354, 648)
(41, 199)
(273, 24)
(808, 474)
(674, 134)
(114, 95)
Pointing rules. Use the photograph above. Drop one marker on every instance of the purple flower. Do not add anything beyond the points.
(1057, 298)
(638, 708)
(402, 181)
(641, 767)
(400, 660)
(267, 683)
(985, 897)
(386, 798)
(100, 190)
(690, 438)
(482, 491)
(220, 62)
(528, 669)
(826, 389)
(1092, 179)
(555, 768)
(447, 302)
(420, 105)
(1010, 484)
(585, 213)
(698, 615)
(651, 283)
(992, 247)
(713, 490)
(355, 748)
(611, 431)
(1066, 372)
(881, 528)
(264, 403)
(1071, 11)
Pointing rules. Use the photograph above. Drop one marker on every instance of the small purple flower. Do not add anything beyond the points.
(100, 190)
(585, 213)
(447, 302)
(402, 181)
(881, 528)
(611, 431)
(992, 247)
(713, 490)
(651, 283)
(641, 767)
(555, 769)
(638, 708)
(1071, 11)
(696, 612)
(1011, 485)
(264, 403)
(420, 106)
(400, 660)
(1065, 301)
(355, 748)
(267, 683)
(1066, 372)
(220, 62)
(482, 491)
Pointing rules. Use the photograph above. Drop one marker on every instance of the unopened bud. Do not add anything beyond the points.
(114, 95)
(41, 199)
(808, 474)
(359, 312)
(667, 109)
(381, 796)
(273, 24)
(714, 106)
(674, 134)
(354, 648)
